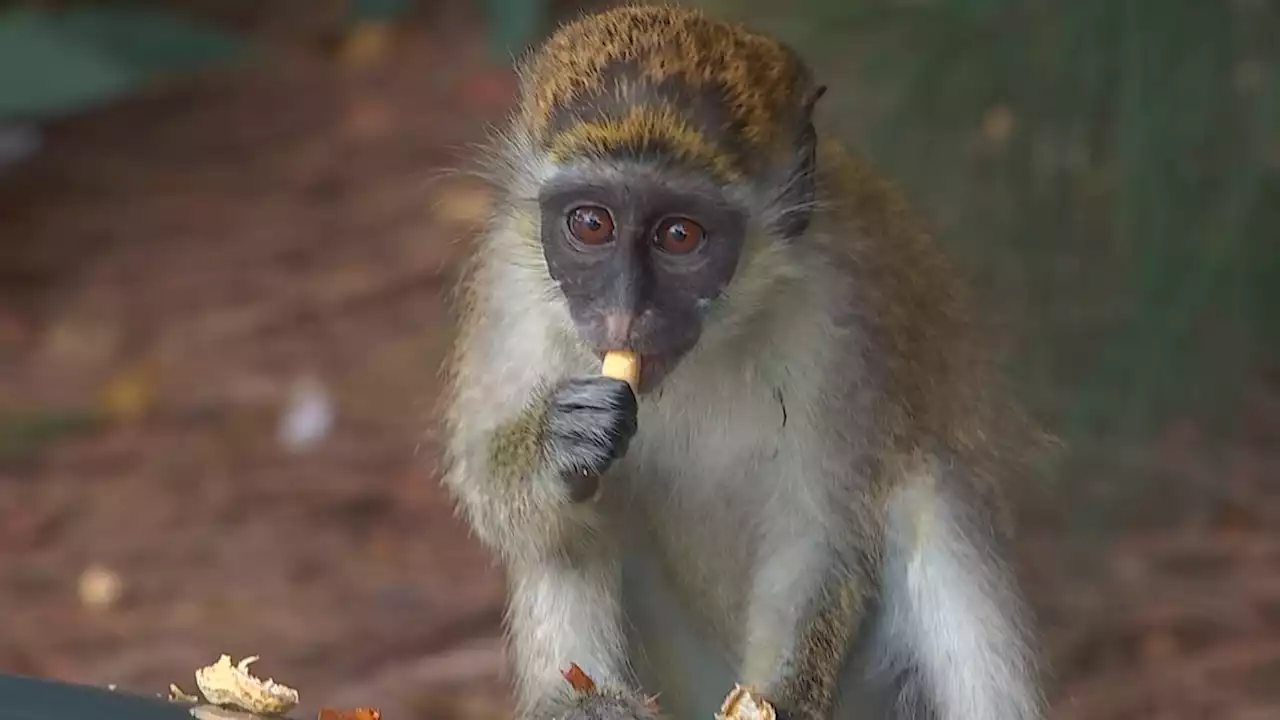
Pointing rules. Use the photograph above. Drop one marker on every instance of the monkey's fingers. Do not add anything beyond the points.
(622, 365)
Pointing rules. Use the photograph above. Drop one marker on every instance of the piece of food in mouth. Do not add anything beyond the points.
(622, 365)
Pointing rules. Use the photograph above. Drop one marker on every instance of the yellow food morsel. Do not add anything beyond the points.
(622, 365)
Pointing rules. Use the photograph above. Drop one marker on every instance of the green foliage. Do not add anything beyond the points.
(23, 436)
(1109, 170)
(150, 42)
(54, 62)
(513, 24)
(380, 9)
(44, 73)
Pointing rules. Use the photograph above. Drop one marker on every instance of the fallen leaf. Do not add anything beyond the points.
(578, 679)
(742, 703)
(365, 44)
(225, 684)
(127, 397)
(359, 713)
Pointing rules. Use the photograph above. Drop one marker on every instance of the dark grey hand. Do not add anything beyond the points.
(590, 424)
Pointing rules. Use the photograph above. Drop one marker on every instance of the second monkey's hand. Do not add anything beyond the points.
(589, 425)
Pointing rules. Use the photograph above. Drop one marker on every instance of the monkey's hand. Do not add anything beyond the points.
(590, 423)
(607, 705)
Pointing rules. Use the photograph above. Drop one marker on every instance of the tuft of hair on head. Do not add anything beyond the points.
(665, 82)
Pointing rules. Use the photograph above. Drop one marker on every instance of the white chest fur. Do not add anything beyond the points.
(701, 469)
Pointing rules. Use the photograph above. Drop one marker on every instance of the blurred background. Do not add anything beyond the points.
(225, 231)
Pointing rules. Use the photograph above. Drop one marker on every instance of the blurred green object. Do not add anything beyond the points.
(30, 698)
(22, 436)
(150, 42)
(58, 62)
(513, 26)
(45, 73)
(1107, 170)
(379, 9)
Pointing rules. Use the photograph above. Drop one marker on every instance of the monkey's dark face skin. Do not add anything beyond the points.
(640, 261)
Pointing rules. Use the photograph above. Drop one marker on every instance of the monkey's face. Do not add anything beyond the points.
(640, 259)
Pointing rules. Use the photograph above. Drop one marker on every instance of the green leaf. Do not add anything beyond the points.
(149, 42)
(44, 73)
(23, 436)
(54, 63)
(513, 25)
(379, 9)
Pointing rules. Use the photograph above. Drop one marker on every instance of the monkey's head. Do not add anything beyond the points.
(665, 148)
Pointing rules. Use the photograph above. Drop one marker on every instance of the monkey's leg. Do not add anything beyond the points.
(948, 642)
(566, 610)
(805, 609)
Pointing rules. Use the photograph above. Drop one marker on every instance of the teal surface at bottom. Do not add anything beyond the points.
(31, 698)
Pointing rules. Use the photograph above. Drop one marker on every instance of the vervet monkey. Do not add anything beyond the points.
(800, 496)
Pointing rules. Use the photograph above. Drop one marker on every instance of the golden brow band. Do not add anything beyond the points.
(641, 127)
(762, 84)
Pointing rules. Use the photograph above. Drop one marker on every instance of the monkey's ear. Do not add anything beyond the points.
(799, 187)
(813, 99)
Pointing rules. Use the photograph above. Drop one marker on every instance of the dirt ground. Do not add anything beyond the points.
(173, 269)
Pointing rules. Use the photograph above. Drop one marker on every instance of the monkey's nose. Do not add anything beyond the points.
(617, 326)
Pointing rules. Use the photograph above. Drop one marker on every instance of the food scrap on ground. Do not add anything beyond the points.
(744, 704)
(233, 693)
(177, 694)
(359, 713)
(223, 683)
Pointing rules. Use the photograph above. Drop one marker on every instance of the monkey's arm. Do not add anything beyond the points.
(806, 607)
(513, 495)
(514, 456)
(950, 639)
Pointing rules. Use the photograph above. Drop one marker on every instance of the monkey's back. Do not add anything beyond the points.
(942, 384)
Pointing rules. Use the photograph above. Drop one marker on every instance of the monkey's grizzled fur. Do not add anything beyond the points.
(805, 496)
(670, 83)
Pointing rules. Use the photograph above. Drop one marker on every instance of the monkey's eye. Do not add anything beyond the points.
(591, 225)
(678, 235)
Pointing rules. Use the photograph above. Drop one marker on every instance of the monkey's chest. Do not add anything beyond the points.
(695, 489)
